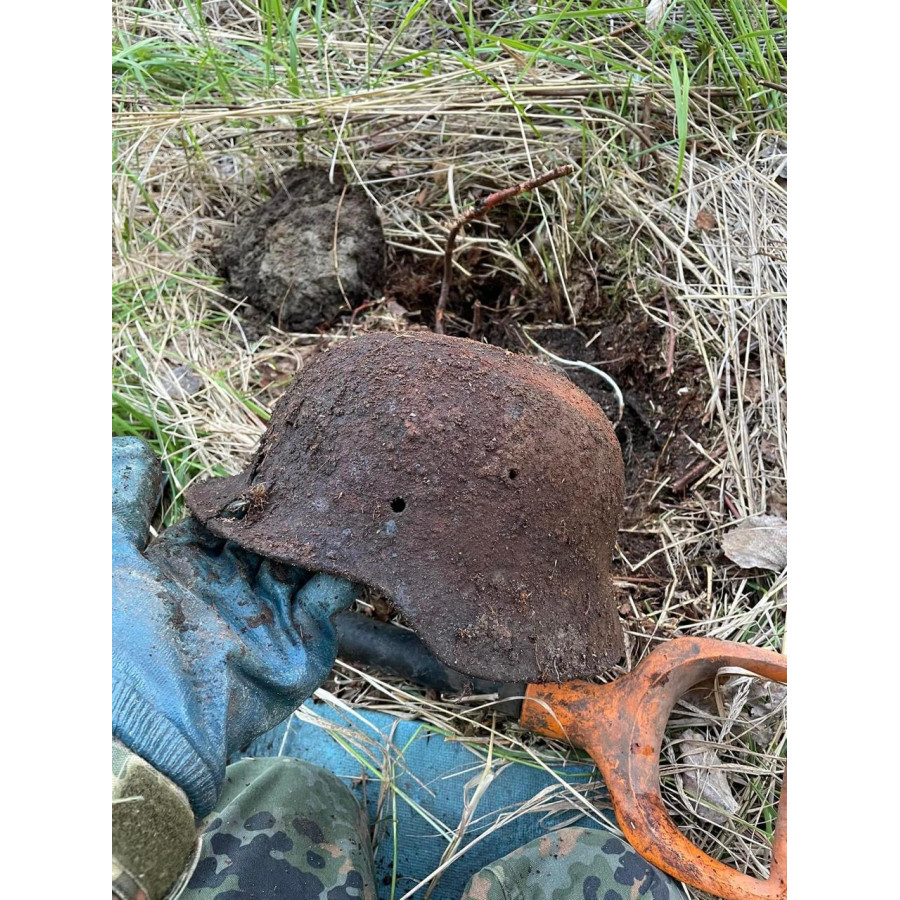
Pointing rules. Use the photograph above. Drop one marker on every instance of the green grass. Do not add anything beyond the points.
(139, 413)
(743, 52)
(176, 58)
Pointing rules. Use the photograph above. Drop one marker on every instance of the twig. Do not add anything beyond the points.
(583, 365)
(670, 355)
(691, 476)
(334, 247)
(774, 85)
(706, 461)
(624, 579)
(476, 212)
(625, 28)
(359, 309)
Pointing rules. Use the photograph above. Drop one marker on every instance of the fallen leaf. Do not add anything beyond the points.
(751, 706)
(768, 447)
(777, 505)
(766, 698)
(395, 309)
(759, 542)
(382, 608)
(753, 701)
(181, 382)
(752, 389)
(773, 160)
(704, 780)
(705, 220)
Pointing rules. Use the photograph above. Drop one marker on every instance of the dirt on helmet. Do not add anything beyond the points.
(476, 489)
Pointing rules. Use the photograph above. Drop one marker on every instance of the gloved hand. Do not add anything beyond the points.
(212, 645)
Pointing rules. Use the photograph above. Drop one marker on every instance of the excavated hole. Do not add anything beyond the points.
(398, 504)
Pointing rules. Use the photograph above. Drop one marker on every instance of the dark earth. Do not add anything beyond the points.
(661, 412)
(312, 251)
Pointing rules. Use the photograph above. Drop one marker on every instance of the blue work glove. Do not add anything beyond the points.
(212, 644)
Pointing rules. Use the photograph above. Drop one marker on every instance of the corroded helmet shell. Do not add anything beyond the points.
(478, 490)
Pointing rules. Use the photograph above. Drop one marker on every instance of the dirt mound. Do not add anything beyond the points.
(314, 250)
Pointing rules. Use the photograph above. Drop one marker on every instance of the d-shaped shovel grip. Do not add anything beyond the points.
(621, 725)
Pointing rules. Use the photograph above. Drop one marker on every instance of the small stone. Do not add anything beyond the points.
(181, 382)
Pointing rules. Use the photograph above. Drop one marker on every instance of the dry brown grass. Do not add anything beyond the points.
(423, 146)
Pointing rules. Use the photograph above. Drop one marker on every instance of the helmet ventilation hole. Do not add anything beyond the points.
(398, 504)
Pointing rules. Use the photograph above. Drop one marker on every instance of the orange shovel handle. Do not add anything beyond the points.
(621, 725)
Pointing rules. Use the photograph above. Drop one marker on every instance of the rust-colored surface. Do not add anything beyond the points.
(478, 490)
(621, 725)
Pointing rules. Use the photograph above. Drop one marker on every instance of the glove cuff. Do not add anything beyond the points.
(142, 729)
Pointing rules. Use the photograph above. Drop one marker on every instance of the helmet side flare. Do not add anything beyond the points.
(477, 490)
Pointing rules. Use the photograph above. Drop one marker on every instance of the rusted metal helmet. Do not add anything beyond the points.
(478, 490)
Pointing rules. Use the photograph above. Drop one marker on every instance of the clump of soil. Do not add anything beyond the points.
(314, 250)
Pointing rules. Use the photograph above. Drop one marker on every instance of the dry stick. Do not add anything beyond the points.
(476, 212)
(691, 475)
(334, 248)
(773, 84)
(670, 354)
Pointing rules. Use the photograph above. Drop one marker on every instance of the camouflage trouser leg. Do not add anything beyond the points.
(572, 864)
(284, 829)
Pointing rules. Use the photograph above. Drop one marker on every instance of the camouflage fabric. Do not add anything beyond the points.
(154, 838)
(572, 864)
(284, 828)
